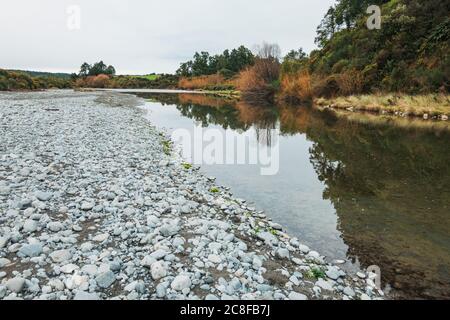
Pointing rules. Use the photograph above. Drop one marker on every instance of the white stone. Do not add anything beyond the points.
(101, 237)
(61, 256)
(15, 284)
(158, 270)
(55, 226)
(297, 296)
(30, 226)
(181, 282)
(85, 296)
(4, 262)
(214, 258)
(87, 206)
(69, 268)
(326, 285)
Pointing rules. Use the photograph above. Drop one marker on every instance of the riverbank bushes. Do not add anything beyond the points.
(164, 81)
(17, 81)
(207, 82)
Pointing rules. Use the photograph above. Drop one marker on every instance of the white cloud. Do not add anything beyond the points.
(142, 36)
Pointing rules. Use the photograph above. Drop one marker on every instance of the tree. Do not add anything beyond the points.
(269, 51)
(296, 55)
(85, 69)
(227, 63)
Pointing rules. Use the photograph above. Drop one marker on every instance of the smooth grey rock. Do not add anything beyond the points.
(161, 291)
(61, 256)
(101, 237)
(106, 279)
(4, 262)
(326, 285)
(3, 242)
(87, 206)
(15, 284)
(349, 292)
(31, 250)
(268, 238)
(333, 273)
(159, 254)
(283, 253)
(55, 226)
(30, 226)
(43, 196)
(297, 296)
(85, 296)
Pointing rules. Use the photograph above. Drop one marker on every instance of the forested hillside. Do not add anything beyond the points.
(409, 53)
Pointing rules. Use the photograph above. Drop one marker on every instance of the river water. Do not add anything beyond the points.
(361, 188)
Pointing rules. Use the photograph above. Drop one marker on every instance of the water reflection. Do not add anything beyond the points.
(387, 182)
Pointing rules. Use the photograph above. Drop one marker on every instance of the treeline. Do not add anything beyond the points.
(227, 64)
(99, 75)
(16, 80)
(409, 54)
(163, 81)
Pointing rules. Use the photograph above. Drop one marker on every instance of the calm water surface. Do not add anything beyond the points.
(361, 188)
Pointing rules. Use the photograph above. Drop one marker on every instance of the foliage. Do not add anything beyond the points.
(162, 81)
(227, 64)
(410, 53)
(211, 82)
(96, 69)
(13, 80)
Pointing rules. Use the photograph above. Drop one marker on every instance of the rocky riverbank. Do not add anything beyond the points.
(93, 206)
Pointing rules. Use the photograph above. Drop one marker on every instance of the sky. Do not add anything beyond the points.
(145, 36)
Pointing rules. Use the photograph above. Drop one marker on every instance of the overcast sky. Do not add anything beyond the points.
(143, 36)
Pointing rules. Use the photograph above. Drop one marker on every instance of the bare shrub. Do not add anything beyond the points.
(202, 82)
(296, 87)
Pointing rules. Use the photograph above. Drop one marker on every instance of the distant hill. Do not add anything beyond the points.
(44, 74)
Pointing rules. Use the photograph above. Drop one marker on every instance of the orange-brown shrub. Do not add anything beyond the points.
(296, 87)
(202, 82)
(100, 81)
(258, 83)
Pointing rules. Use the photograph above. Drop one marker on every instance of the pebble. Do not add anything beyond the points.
(43, 196)
(158, 270)
(101, 237)
(106, 279)
(181, 282)
(31, 250)
(4, 262)
(326, 285)
(30, 226)
(85, 296)
(15, 284)
(60, 256)
(297, 296)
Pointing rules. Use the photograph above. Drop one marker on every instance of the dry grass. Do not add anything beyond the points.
(296, 87)
(203, 82)
(407, 105)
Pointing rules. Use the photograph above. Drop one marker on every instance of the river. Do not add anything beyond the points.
(368, 190)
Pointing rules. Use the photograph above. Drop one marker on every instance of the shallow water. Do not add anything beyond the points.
(364, 189)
